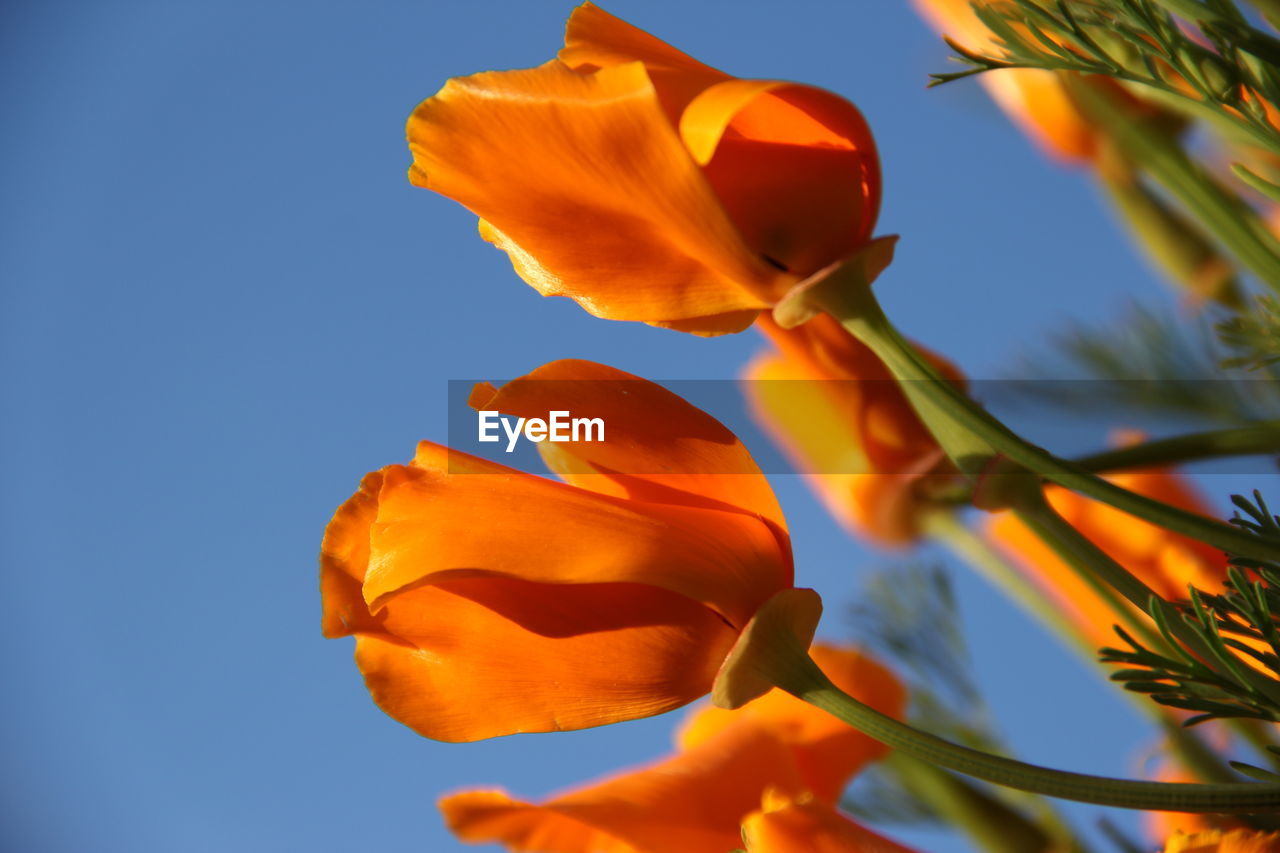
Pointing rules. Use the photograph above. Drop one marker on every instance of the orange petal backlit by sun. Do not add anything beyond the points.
(828, 752)
(487, 601)
(694, 800)
(542, 154)
(648, 186)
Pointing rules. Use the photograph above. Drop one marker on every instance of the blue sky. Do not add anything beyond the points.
(222, 303)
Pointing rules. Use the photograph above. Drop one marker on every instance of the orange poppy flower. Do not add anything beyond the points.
(1167, 562)
(648, 186)
(487, 601)
(786, 824)
(697, 798)
(1034, 99)
(1216, 841)
(843, 419)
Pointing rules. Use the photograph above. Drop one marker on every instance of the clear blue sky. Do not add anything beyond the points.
(223, 302)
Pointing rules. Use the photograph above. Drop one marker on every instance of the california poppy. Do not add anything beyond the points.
(697, 799)
(836, 409)
(1165, 561)
(487, 601)
(648, 186)
(786, 824)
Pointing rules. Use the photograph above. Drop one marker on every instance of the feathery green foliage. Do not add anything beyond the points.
(1241, 628)
(1205, 57)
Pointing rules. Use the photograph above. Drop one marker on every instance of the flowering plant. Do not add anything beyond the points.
(650, 187)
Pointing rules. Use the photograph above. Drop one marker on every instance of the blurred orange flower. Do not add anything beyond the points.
(487, 601)
(1167, 562)
(697, 799)
(802, 824)
(1035, 99)
(648, 186)
(1215, 841)
(847, 423)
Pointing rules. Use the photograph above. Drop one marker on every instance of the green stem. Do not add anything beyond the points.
(1103, 574)
(1091, 562)
(1256, 439)
(951, 532)
(971, 436)
(799, 675)
(946, 528)
(1173, 244)
(991, 824)
(1221, 212)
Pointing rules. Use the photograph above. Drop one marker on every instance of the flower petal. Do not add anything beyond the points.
(657, 446)
(480, 816)
(795, 166)
(715, 324)
(476, 658)
(594, 39)
(433, 525)
(869, 469)
(693, 801)
(1034, 99)
(542, 154)
(1037, 101)
(827, 751)
(805, 825)
(344, 557)
(1165, 561)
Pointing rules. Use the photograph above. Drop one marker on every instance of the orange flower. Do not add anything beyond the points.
(646, 185)
(697, 799)
(848, 423)
(804, 825)
(487, 601)
(1167, 562)
(1216, 841)
(1036, 100)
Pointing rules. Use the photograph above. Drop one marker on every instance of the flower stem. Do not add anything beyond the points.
(951, 532)
(993, 825)
(1221, 212)
(802, 678)
(972, 437)
(1256, 439)
(1091, 563)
